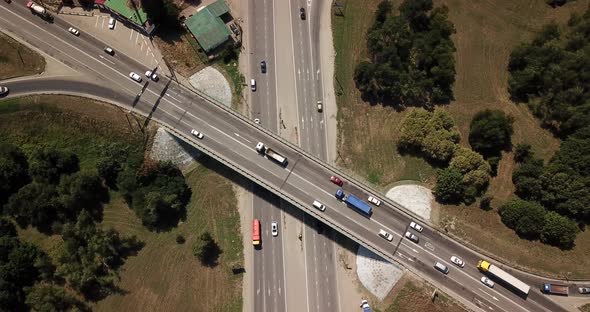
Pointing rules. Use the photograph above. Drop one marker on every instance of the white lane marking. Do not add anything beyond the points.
(170, 96)
(104, 58)
(130, 34)
(96, 23)
(239, 136)
(411, 248)
(485, 292)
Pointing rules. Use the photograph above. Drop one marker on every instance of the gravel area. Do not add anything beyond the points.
(414, 197)
(212, 82)
(375, 273)
(167, 147)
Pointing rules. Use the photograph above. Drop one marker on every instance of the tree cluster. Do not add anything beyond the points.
(411, 55)
(433, 134)
(532, 221)
(490, 132)
(552, 75)
(157, 192)
(207, 250)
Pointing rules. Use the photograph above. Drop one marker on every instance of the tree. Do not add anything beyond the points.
(80, 191)
(475, 170)
(523, 152)
(525, 218)
(13, 170)
(527, 179)
(559, 231)
(432, 133)
(7, 228)
(490, 132)
(206, 250)
(49, 298)
(36, 204)
(108, 169)
(486, 202)
(449, 186)
(47, 165)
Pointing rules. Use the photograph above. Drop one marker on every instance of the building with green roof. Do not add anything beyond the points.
(127, 11)
(208, 27)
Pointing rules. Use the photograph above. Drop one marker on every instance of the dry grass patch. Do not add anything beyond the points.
(180, 52)
(17, 60)
(415, 295)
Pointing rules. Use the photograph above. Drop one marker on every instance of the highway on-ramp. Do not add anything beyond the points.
(231, 139)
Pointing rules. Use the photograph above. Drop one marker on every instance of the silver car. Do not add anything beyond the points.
(416, 226)
(274, 228)
(135, 76)
(487, 282)
(412, 237)
(198, 134)
(385, 235)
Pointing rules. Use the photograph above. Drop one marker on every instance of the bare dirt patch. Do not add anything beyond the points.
(18, 60)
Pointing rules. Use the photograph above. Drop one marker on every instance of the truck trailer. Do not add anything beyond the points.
(39, 10)
(354, 202)
(270, 153)
(555, 289)
(502, 275)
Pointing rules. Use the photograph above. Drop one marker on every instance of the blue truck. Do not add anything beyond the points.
(354, 202)
(365, 306)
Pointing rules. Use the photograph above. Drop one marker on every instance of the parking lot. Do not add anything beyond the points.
(122, 38)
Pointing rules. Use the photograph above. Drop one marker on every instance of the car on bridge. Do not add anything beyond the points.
(336, 180)
(74, 31)
(416, 226)
(486, 281)
(109, 51)
(457, 261)
(151, 75)
(374, 201)
(385, 235)
(198, 134)
(409, 235)
(135, 76)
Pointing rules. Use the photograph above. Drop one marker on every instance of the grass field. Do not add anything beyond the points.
(414, 295)
(17, 60)
(164, 276)
(585, 308)
(487, 31)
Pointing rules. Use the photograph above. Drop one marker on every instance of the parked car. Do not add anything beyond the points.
(409, 235)
(385, 235)
(374, 201)
(263, 67)
(274, 228)
(198, 134)
(135, 76)
(302, 13)
(584, 290)
(74, 31)
(112, 23)
(109, 50)
(488, 282)
(456, 260)
(151, 75)
(3, 91)
(416, 226)
(336, 180)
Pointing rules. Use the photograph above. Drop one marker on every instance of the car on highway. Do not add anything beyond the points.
(112, 23)
(198, 134)
(319, 205)
(456, 260)
(252, 85)
(584, 290)
(263, 67)
(374, 200)
(441, 267)
(336, 180)
(416, 226)
(411, 236)
(385, 235)
(109, 50)
(257, 121)
(3, 91)
(274, 228)
(74, 31)
(486, 281)
(135, 76)
(320, 106)
(151, 75)
(302, 13)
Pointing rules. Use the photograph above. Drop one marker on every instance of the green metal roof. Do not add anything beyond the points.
(207, 26)
(135, 14)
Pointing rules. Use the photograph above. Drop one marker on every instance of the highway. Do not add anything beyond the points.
(231, 138)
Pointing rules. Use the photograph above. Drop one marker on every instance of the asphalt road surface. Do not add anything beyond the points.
(231, 139)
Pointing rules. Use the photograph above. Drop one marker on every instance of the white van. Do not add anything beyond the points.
(319, 205)
(253, 85)
(441, 267)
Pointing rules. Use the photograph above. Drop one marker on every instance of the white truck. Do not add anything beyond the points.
(39, 10)
(500, 274)
(270, 153)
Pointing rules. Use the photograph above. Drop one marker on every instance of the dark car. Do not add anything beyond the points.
(263, 67)
(302, 13)
(3, 91)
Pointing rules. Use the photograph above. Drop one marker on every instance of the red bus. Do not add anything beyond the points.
(255, 232)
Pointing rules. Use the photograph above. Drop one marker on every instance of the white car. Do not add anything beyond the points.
(416, 226)
(374, 200)
(135, 76)
(274, 228)
(385, 235)
(198, 134)
(487, 282)
(109, 50)
(74, 31)
(111, 23)
(412, 237)
(456, 260)
(3, 91)
(257, 120)
(152, 75)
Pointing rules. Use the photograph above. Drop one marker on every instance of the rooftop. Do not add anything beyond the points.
(208, 27)
(135, 14)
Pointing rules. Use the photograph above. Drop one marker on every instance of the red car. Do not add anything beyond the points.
(336, 181)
